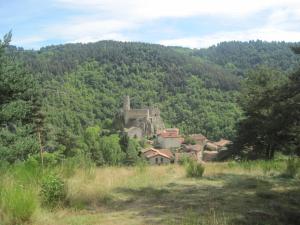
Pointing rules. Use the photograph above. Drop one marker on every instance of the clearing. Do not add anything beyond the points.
(228, 193)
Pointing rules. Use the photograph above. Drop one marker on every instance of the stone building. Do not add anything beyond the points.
(157, 156)
(217, 146)
(169, 139)
(148, 120)
(214, 150)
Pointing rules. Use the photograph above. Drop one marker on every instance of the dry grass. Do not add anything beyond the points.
(228, 193)
(96, 190)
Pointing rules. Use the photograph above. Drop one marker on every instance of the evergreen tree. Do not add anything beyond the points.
(271, 104)
(18, 88)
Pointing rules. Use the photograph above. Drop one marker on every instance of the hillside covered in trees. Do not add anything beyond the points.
(82, 85)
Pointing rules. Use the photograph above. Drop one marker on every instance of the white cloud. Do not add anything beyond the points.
(115, 16)
(93, 20)
(265, 34)
(89, 29)
(155, 9)
(282, 24)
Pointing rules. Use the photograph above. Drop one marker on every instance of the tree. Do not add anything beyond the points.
(271, 105)
(17, 91)
(93, 142)
(286, 113)
(111, 149)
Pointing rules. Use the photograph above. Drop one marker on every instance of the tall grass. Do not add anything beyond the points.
(292, 167)
(20, 187)
(98, 190)
(17, 203)
(91, 187)
(259, 167)
(194, 169)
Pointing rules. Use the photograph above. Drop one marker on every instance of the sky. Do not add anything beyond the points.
(186, 23)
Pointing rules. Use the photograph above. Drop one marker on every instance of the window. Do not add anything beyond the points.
(156, 160)
(161, 159)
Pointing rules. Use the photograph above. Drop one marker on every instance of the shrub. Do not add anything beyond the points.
(17, 204)
(53, 191)
(292, 168)
(184, 160)
(189, 140)
(194, 169)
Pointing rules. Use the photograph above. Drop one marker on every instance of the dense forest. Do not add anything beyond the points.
(70, 93)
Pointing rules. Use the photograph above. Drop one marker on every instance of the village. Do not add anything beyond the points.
(167, 145)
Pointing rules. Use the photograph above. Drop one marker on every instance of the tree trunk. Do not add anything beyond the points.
(41, 149)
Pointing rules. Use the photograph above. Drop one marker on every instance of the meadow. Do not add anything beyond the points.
(257, 192)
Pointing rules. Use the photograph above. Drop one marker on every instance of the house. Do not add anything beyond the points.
(217, 146)
(189, 151)
(209, 155)
(169, 139)
(214, 150)
(157, 156)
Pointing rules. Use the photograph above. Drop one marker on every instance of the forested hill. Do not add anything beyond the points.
(177, 62)
(196, 90)
(239, 57)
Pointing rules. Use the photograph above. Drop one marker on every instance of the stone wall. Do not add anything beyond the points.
(157, 160)
(169, 143)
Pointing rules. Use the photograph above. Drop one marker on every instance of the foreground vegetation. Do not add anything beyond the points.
(62, 103)
(257, 192)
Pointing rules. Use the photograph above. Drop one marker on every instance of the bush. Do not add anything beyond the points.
(292, 167)
(189, 140)
(53, 191)
(194, 169)
(17, 204)
(184, 160)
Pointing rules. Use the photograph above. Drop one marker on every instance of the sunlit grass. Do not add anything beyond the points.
(150, 194)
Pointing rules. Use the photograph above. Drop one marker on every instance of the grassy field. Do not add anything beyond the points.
(228, 193)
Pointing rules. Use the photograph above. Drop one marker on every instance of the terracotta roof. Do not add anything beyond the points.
(151, 152)
(148, 151)
(170, 133)
(166, 152)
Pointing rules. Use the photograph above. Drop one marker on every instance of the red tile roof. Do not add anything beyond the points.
(170, 133)
(151, 152)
